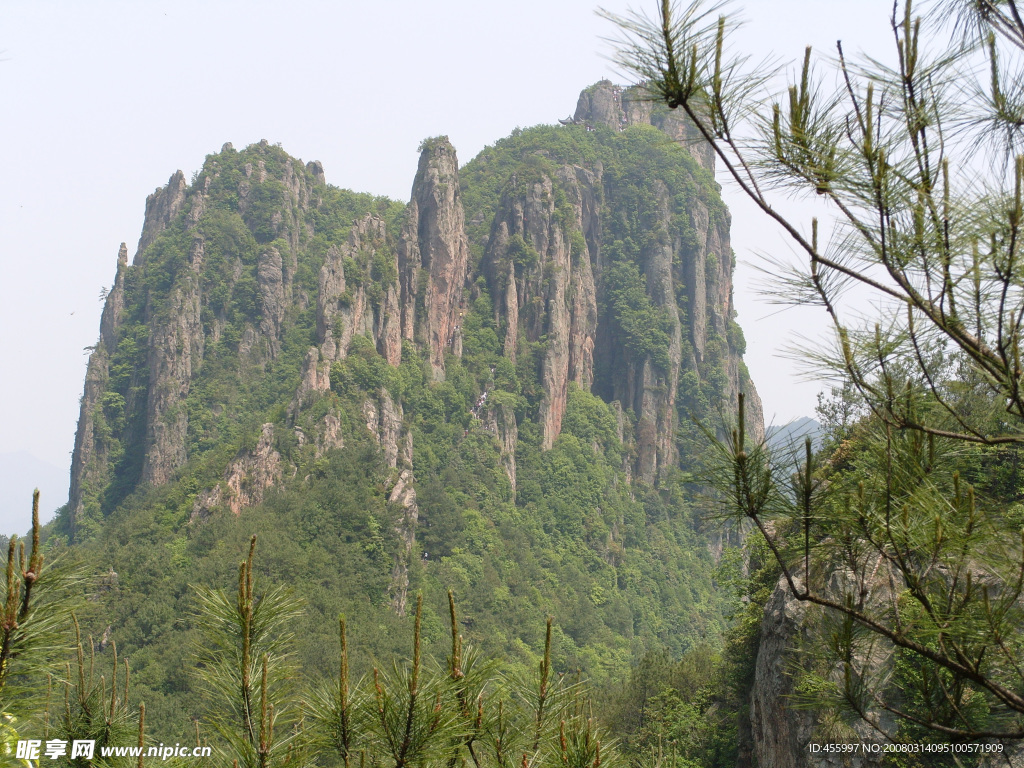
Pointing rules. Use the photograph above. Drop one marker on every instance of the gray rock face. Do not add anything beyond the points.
(641, 385)
(176, 344)
(780, 730)
(246, 479)
(552, 290)
(385, 421)
(175, 351)
(316, 170)
(89, 460)
(403, 495)
(270, 278)
(543, 264)
(161, 208)
(315, 379)
(113, 307)
(345, 308)
(500, 421)
(608, 104)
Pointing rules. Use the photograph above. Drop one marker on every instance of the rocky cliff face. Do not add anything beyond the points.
(648, 389)
(543, 281)
(162, 207)
(168, 303)
(781, 730)
(345, 309)
(175, 351)
(90, 459)
(246, 480)
(485, 388)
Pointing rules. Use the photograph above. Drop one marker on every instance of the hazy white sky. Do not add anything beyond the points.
(105, 100)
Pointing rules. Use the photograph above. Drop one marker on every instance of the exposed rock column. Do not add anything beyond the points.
(89, 461)
(500, 421)
(605, 103)
(781, 730)
(271, 280)
(433, 255)
(345, 308)
(161, 208)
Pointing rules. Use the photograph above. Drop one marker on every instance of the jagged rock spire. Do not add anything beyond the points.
(433, 255)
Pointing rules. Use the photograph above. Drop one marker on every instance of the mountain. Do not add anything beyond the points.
(490, 389)
(790, 437)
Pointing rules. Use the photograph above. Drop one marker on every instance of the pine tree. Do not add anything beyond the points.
(35, 616)
(245, 665)
(918, 577)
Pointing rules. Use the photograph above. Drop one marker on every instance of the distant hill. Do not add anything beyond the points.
(791, 436)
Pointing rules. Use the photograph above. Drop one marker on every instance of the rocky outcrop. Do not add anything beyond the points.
(330, 435)
(161, 208)
(271, 280)
(316, 170)
(90, 460)
(113, 307)
(315, 378)
(433, 255)
(605, 103)
(500, 421)
(707, 268)
(246, 480)
(780, 729)
(546, 270)
(546, 266)
(648, 388)
(384, 420)
(403, 496)
(289, 220)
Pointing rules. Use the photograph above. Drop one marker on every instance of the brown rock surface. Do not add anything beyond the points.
(433, 254)
(246, 480)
